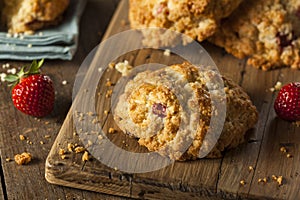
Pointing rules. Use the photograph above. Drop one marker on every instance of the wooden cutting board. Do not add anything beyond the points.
(257, 159)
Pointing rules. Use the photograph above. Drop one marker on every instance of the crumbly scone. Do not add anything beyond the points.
(196, 18)
(171, 111)
(266, 31)
(25, 16)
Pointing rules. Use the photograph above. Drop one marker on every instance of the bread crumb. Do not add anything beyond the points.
(85, 156)
(79, 149)
(7, 65)
(70, 147)
(61, 152)
(8, 159)
(111, 65)
(263, 180)
(167, 52)
(47, 122)
(100, 137)
(23, 159)
(278, 85)
(259, 180)
(108, 93)
(63, 157)
(250, 168)
(90, 113)
(105, 112)
(279, 180)
(123, 67)
(283, 149)
(242, 182)
(95, 121)
(3, 76)
(108, 83)
(41, 142)
(111, 130)
(22, 137)
(289, 155)
(64, 82)
(47, 136)
(12, 71)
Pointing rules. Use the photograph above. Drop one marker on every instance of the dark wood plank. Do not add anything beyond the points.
(204, 179)
(236, 163)
(28, 182)
(272, 161)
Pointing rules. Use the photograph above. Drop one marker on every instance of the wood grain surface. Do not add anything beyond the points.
(201, 179)
(28, 181)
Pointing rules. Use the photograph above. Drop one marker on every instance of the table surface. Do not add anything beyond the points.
(28, 181)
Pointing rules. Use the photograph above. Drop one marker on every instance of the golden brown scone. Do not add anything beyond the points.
(171, 111)
(21, 16)
(266, 31)
(198, 19)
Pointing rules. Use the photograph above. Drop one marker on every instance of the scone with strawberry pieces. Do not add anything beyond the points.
(173, 112)
(265, 31)
(197, 19)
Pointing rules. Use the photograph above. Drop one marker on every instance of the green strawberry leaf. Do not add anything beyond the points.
(21, 73)
(12, 79)
(35, 67)
(40, 63)
(25, 71)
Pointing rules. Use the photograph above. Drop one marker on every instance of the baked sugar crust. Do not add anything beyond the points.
(267, 32)
(27, 16)
(197, 19)
(175, 122)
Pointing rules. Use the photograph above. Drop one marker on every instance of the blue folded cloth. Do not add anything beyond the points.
(59, 42)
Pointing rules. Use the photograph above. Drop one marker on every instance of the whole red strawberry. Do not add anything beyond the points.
(32, 93)
(287, 103)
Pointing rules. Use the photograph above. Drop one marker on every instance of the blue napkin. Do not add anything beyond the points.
(59, 42)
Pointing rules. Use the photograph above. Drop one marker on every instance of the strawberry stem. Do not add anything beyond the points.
(34, 68)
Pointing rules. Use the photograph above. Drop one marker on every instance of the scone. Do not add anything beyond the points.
(172, 111)
(266, 31)
(198, 19)
(26, 16)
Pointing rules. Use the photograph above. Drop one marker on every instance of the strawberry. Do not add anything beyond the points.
(32, 93)
(287, 103)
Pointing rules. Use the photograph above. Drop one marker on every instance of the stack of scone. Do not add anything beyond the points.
(173, 111)
(27, 16)
(265, 31)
